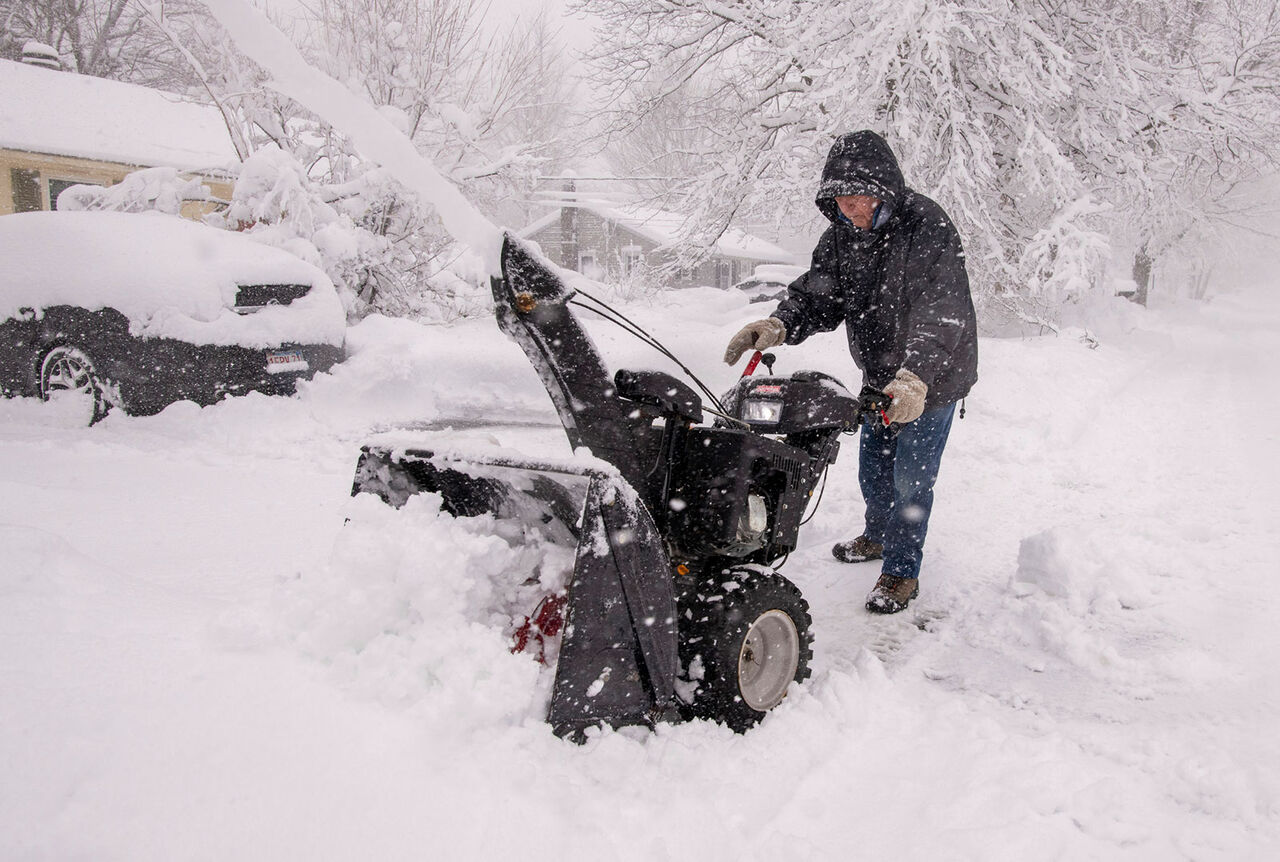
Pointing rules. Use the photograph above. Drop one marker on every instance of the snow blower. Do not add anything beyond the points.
(674, 609)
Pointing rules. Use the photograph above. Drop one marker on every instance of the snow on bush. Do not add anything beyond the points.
(369, 234)
(275, 203)
(160, 189)
(642, 283)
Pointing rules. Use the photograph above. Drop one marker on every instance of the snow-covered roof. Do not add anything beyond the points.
(171, 277)
(663, 227)
(65, 114)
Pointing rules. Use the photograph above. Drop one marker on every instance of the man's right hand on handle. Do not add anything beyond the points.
(760, 335)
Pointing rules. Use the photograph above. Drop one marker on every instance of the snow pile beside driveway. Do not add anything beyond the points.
(213, 651)
(1070, 565)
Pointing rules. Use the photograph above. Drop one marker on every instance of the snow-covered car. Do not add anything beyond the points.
(769, 281)
(137, 311)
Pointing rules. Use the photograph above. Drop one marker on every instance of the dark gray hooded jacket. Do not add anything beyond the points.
(901, 289)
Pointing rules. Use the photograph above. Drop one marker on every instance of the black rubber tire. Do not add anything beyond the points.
(716, 616)
(66, 367)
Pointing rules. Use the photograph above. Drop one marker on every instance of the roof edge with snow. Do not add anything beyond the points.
(663, 226)
(62, 113)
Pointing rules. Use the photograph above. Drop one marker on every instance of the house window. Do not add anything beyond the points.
(26, 190)
(57, 187)
(631, 257)
(587, 264)
(724, 274)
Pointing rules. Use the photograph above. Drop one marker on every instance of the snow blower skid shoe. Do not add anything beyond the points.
(673, 608)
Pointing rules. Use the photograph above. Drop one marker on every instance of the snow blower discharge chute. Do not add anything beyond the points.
(673, 610)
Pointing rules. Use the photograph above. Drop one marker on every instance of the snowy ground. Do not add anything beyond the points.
(199, 660)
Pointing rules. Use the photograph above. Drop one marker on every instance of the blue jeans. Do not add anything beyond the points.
(897, 476)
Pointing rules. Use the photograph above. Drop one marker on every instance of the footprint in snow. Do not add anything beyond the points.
(889, 634)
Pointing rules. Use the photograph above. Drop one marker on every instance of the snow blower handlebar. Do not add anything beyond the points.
(872, 404)
(756, 359)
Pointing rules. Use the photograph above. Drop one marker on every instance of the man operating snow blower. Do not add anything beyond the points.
(892, 270)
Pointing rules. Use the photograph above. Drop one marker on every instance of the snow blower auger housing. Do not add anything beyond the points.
(672, 609)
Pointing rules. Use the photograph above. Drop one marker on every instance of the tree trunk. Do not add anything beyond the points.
(1142, 263)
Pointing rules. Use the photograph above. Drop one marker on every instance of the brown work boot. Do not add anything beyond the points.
(857, 550)
(892, 594)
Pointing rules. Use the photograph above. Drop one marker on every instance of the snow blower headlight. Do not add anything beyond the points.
(761, 411)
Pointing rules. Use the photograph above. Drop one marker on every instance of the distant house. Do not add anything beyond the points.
(601, 239)
(58, 129)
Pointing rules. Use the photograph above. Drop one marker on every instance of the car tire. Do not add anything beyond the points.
(67, 370)
(744, 638)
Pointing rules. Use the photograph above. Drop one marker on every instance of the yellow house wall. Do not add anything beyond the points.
(85, 171)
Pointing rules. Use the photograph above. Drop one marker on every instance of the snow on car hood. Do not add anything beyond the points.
(171, 278)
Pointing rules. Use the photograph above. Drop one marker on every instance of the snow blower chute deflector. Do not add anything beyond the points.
(672, 609)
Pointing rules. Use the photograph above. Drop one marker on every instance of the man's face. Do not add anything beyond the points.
(858, 209)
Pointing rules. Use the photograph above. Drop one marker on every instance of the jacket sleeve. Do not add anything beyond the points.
(814, 301)
(940, 303)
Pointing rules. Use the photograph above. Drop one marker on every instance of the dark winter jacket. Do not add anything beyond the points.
(901, 290)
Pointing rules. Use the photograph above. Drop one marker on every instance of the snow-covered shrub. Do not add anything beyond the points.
(274, 202)
(161, 189)
(424, 274)
(368, 234)
(640, 284)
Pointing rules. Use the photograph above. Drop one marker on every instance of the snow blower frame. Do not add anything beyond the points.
(673, 610)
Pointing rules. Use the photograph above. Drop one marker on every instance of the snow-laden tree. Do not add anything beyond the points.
(1217, 134)
(1039, 126)
(103, 38)
(485, 106)
(486, 103)
(658, 146)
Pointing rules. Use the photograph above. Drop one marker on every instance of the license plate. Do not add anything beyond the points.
(285, 360)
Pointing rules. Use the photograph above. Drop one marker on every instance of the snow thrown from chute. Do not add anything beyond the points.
(375, 135)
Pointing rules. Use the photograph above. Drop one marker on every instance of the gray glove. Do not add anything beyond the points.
(908, 392)
(759, 335)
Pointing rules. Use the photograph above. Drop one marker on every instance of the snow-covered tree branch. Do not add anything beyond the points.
(1047, 129)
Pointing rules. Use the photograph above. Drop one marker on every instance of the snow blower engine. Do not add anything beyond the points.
(674, 609)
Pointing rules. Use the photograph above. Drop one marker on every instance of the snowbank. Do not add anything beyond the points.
(215, 651)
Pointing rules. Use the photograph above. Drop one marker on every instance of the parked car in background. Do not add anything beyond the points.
(136, 311)
(769, 281)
